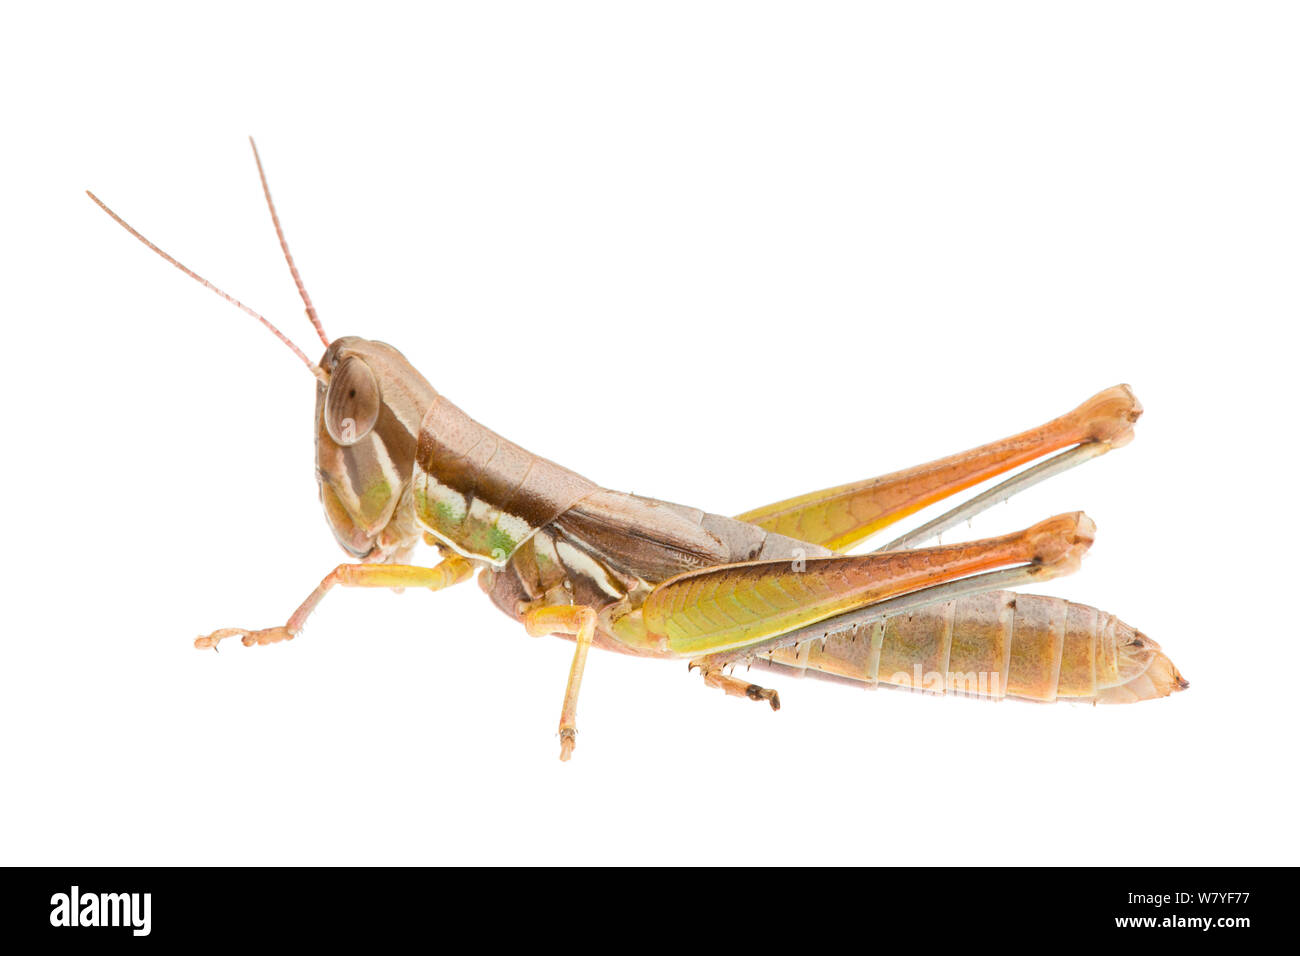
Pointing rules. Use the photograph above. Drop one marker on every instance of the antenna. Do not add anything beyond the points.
(316, 370)
(302, 290)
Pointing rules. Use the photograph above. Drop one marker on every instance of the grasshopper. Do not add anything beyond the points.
(397, 463)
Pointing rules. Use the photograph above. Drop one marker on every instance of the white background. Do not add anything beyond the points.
(715, 253)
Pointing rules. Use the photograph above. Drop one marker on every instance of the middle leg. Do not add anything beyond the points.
(581, 623)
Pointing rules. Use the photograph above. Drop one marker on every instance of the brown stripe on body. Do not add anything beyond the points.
(639, 536)
(479, 463)
(481, 493)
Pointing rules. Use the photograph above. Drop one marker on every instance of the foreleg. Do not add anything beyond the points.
(452, 570)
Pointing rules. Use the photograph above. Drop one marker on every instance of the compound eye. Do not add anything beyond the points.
(352, 402)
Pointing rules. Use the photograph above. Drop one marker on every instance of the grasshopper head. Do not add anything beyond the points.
(369, 403)
(368, 412)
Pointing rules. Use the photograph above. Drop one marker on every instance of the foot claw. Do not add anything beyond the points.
(754, 692)
(568, 738)
(268, 635)
(216, 637)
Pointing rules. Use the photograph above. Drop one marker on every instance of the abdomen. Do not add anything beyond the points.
(999, 644)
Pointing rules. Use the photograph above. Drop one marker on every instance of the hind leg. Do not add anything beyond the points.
(841, 517)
